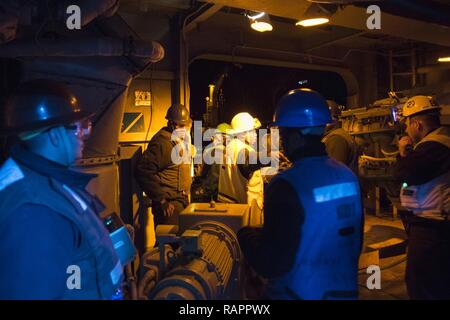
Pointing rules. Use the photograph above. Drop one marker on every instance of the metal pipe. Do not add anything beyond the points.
(363, 51)
(391, 76)
(308, 56)
(413, 68)
(433, 68)
(25, 13)
(345, 73)
(84, 48)
(334, 41)
(90, 9)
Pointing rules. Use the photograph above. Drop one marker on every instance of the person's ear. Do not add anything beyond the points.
(420, 125)
(54, 136)
(415, 123)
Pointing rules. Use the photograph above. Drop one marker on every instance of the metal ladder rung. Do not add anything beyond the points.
(402, 73)
(411, 73)
(399, 55)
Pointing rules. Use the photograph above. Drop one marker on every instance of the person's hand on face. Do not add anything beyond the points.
(404, 145)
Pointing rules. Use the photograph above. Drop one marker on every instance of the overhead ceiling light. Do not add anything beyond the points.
(444, 59)
(314, 16)
(255, 15)
(260, 21)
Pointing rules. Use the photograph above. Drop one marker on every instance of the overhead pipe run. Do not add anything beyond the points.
(348, 77)
(15, 13)
(90, 9)
(84, 48)
(306, 56)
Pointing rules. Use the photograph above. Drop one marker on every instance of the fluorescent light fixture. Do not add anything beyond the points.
(256, 15)
(260, 21)
(444, 59)
(312, 22)
(314, 16)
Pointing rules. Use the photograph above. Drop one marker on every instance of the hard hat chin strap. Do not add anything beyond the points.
(28, 135)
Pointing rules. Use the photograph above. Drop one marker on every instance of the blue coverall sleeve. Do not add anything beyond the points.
(36, 247)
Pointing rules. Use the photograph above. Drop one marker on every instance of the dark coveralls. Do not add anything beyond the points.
(428, 261)
(161, 179)
(341, 147)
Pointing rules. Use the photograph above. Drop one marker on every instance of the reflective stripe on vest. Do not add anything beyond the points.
(9, 173)
(432, 199)
(327, 258)
(429, 200)
(101, 271)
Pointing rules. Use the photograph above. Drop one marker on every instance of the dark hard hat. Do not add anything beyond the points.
(178, 114)
(38, 104)
(301, 108)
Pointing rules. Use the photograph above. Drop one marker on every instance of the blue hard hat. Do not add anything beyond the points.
(302, 108)
(39, 104)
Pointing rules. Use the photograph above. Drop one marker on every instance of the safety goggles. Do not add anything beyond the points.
(82, 128)
(408, 121)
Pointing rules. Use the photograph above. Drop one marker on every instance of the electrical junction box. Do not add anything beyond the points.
(191, 241)
(235, 216)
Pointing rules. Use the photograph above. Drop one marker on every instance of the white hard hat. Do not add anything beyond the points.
(418, 104)
(243, 121)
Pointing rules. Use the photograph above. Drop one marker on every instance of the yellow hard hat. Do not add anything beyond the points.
(418, 104)
(257, 123)
(224, 128)
(242, 122)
